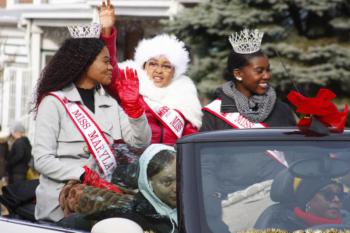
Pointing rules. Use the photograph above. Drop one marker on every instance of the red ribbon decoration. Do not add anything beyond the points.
(321, 108)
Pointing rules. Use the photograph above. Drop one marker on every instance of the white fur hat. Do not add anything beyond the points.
(112, 225)
(163, 45)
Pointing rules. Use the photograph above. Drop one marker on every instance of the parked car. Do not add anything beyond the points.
(224, 178)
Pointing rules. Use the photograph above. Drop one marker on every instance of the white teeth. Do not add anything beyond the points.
(157, 78)
(263, 85)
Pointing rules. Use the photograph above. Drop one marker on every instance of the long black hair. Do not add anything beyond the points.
(238, 61)
(68, 64)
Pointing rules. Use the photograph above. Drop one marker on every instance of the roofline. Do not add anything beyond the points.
(137, 8)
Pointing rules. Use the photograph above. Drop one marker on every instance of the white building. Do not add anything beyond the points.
(32, 30)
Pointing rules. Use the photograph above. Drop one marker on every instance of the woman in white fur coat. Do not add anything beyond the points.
(170, 97)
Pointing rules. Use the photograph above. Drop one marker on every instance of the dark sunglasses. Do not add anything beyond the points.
(329, 195)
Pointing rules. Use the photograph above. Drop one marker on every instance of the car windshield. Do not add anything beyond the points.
(268, 184)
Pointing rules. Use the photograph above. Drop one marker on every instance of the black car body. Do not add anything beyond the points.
(213, 168)
(197, 191)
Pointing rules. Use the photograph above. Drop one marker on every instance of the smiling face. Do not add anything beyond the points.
(164, 184)
(99, 72)
(327, 202)
(255, 76)
(160, 71)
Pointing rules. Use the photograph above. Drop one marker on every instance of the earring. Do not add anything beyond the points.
(238, 78)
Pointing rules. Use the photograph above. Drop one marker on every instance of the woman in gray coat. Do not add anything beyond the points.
(74, 77)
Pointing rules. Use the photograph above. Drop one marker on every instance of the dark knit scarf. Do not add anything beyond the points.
(312, 220)
(256, 108)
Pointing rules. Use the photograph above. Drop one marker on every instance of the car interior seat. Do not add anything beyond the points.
(282, 193)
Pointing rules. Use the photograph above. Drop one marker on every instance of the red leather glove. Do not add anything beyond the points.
(128, 91)
(93, 179)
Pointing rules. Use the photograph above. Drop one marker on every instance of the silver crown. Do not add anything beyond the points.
(92, 30)
(247, 41)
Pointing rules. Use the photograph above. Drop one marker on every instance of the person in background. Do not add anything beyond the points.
(169, 97)
(4, 150)
(77, 121)
(19, 156)
(246, 100)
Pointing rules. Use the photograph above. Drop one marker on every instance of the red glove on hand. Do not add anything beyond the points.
(93, 179)
(128, 91)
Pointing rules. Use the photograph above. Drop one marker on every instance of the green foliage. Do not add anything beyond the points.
(311, 38)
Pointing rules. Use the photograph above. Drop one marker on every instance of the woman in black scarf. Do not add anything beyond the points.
(247, 100)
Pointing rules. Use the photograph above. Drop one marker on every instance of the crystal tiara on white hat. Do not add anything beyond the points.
(92, 30)
(247, 41)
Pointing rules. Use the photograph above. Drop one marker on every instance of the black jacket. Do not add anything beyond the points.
(281, 115)
(19, 156)
(281, 216)
(140, 211)
(4, 150)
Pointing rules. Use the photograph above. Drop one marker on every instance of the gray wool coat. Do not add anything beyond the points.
(58, 148)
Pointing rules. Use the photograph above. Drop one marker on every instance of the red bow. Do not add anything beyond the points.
(321, 108)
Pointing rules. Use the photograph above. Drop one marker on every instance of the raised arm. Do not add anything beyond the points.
(109, 33)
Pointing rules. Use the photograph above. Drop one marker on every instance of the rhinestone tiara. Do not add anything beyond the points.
(92, 30)
(247, 41)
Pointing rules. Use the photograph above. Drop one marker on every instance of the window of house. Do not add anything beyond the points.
(16, 89)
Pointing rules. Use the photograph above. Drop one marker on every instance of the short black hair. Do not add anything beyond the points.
(238, 61)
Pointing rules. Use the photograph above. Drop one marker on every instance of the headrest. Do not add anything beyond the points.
(282, 187)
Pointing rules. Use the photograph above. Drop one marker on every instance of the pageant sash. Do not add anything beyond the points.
(169, 117)
(97, 142)
(235, 119)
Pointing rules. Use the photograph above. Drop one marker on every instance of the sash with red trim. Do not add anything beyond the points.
(234, 119)
(95, 139)
(169, 117)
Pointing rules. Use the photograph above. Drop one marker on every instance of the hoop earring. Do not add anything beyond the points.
(238, 78)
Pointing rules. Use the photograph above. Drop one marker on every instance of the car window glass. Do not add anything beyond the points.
(236, 178)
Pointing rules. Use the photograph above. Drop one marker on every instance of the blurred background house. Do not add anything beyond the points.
(32, 30)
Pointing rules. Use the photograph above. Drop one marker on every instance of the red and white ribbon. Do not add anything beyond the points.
(97, 142)
(235, 119)
(169, 117)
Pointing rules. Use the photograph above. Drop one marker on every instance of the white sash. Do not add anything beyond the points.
(170, 117)
(235, 119)
(94, 137)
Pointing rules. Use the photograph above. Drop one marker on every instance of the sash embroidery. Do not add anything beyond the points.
(93, 136)
(169, 117)
(235, 119)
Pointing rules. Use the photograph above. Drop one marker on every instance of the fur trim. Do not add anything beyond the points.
(163, 45)
(180, 94)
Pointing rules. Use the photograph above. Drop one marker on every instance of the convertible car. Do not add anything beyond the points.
(236, 180)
